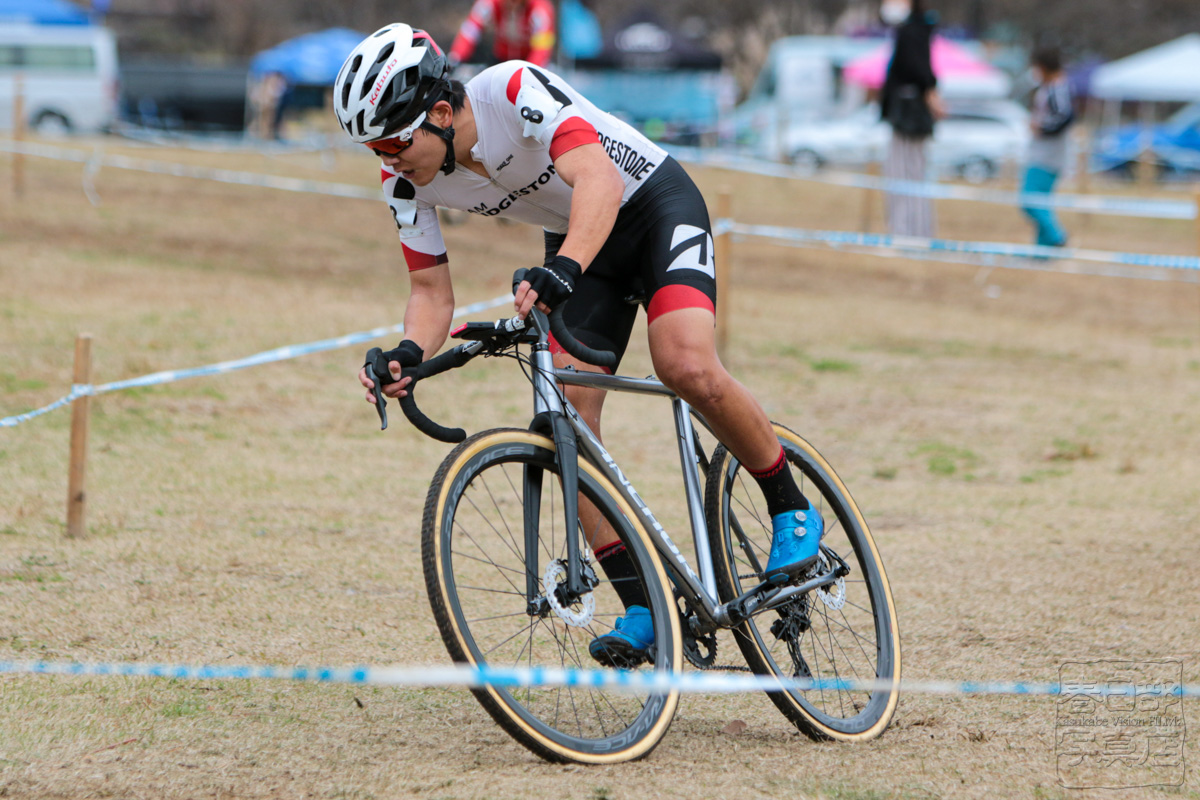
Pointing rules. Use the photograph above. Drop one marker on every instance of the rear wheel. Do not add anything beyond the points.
(496, 607)
(806, 162)
(51, 124)
(844, 632)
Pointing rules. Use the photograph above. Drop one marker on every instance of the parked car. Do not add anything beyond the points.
(1175, 145)
(974, 140)
(69, 76)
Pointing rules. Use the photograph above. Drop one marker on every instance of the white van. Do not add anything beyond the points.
(800, 81)
(69, 74)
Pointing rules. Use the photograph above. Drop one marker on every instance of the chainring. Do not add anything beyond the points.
(700, 649)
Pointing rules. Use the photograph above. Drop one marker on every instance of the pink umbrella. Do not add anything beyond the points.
(949, 61)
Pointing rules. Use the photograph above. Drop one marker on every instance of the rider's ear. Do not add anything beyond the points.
(442, 114)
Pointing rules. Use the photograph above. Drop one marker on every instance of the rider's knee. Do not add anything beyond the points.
(697, 381)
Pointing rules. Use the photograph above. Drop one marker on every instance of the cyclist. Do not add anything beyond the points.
(518, 142)
(524, 30)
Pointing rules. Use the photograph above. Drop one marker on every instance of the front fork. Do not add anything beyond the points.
(566, 458)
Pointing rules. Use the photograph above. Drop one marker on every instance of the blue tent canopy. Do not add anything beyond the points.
(310, 60)
(42, 12)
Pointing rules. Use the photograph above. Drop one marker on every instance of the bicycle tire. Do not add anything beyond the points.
(474, 515)
(809, 637)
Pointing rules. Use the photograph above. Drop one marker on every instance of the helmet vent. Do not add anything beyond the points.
(385, 53)
(412, 76)
(362, 128)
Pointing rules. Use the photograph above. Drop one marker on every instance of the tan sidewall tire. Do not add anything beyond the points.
(451, 467)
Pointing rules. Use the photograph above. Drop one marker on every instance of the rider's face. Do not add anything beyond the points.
(418, 163)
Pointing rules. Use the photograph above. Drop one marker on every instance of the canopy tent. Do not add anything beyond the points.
(42, 12)
(1169, 72)
(959, 72)
(309, 60)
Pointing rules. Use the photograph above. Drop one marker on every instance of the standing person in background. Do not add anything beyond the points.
(524, 30)
(1052, 116)
(910, 104)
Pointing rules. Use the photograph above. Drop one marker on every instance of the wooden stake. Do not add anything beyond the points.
(723, 255)
(18, 162)
(76, 493)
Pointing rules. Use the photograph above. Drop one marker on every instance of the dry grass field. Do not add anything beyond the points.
(1027, 453)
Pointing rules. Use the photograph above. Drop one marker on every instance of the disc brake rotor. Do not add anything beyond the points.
(556, 573)
(833, 595)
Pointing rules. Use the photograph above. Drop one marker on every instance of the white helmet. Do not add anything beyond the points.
(387, 81)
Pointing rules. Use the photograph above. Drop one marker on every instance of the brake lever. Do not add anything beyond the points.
(380, 400)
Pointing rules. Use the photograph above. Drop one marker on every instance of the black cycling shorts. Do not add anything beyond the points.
(660, 252)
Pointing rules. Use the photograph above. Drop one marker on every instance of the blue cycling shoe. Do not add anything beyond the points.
(628, 644)
(795, 541)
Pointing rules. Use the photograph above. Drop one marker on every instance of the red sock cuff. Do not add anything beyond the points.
(616, 548)
(772, 470)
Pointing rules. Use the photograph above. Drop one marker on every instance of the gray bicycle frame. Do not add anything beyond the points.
(700, 591)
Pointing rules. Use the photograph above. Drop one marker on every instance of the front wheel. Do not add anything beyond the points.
(494, 549)
(844, 632)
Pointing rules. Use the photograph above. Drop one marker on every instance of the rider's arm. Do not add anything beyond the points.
(595, 201)
(427, 320)
(430, 308)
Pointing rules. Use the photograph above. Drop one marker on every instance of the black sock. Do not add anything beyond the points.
(779, 487)
(618, 566)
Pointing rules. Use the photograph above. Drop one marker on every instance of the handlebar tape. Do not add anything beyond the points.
(601, 358)
(448, 360)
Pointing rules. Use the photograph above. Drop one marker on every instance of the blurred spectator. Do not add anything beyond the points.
(910, 104)
(524, 29)
(267, 100)
(1052, 116)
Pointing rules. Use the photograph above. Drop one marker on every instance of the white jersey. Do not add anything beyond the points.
(525, 118)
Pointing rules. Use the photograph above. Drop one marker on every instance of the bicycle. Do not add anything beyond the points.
(512, 584)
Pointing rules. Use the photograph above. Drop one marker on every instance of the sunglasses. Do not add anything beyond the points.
(397, 144)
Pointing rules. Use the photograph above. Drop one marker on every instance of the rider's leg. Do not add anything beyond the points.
(683, 348)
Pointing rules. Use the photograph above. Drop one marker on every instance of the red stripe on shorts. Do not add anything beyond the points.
(676, 296)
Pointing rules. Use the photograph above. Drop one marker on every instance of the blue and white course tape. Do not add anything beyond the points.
(618, 680)
(916, 243)
(267, 357)
(97, 159)
(1092, 204)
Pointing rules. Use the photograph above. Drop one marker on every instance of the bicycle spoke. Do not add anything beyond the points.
(512, 547)
(516, 549)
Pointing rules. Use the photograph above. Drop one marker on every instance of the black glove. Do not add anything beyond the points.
(554, 282)
(408, 353)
